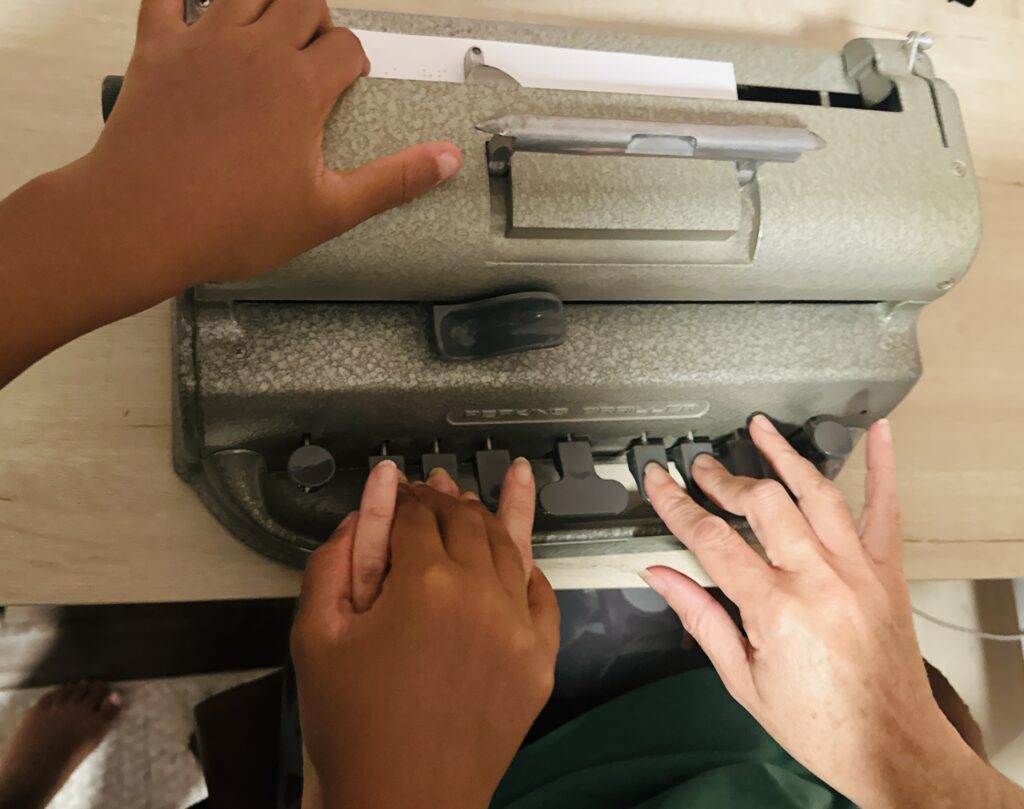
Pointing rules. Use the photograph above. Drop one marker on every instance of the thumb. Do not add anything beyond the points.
(393, 180)
(710, 625)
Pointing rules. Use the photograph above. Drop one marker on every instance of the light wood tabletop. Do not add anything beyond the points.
(91, 510)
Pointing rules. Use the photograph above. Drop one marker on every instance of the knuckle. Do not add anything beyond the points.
(346, 40)
(520, 642)
(473, 516)
(477, 507)
(767, 492)
(827, 491)
(377, 513)
(890, 509)
(675, 507)
(712, 532)
(439, 584)
(371, 571)
(544, 679)
(316, 560)
(520, 506)
(306, 635)
(695, 621)
(415, 510)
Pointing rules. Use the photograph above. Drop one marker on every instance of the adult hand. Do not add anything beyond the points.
(422, 665)
(827, 662)
(214, 146)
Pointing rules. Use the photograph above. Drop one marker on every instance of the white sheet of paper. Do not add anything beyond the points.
(431, 58)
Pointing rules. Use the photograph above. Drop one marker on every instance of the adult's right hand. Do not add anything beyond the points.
(828, 661)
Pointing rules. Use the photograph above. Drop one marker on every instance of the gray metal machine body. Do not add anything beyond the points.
(779, 266)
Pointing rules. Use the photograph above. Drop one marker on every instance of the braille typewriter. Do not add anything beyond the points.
(619, 275)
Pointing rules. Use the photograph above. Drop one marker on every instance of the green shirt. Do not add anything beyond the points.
(680, 743)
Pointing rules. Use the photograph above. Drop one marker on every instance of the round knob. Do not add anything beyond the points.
(830, 438)
(311, 466)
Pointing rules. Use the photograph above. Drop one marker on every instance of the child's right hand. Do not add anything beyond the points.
(424, 645)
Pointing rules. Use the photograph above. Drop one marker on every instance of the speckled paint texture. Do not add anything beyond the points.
(803, 302)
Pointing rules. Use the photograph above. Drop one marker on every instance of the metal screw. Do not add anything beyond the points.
(947, 284)
(202, 3)
(959, 168)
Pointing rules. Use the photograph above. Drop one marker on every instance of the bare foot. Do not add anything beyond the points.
(54, 737)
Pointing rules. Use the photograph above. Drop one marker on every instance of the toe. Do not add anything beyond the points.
(48, 699)
(64, 694)
(111, 705)
(97, 693)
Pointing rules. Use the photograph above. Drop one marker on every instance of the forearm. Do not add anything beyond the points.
(939, 771)
(394, 779)
(75, 253)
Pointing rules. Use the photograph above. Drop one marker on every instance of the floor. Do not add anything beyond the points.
(989, 675)
(146, 761)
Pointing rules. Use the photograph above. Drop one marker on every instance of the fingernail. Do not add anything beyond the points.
(114, 698)
(704, 461)
(437, 470)
(386, 471)
(522, 470)
(885, 427)
(448, 164)
(655, 473)
(764, 423)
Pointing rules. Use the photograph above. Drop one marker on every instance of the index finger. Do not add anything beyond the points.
(340, 59)
(880, 520)
(731, 563)
(819, 499)
(371, 548)
(517, 506)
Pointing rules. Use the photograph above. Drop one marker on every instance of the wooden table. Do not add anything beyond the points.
(91, 511)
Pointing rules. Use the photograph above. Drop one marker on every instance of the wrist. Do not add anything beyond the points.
(365, 784)
(929, 766)
(125, 226)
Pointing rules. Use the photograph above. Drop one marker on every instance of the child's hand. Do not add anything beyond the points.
(422, 648)
(213, 151)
